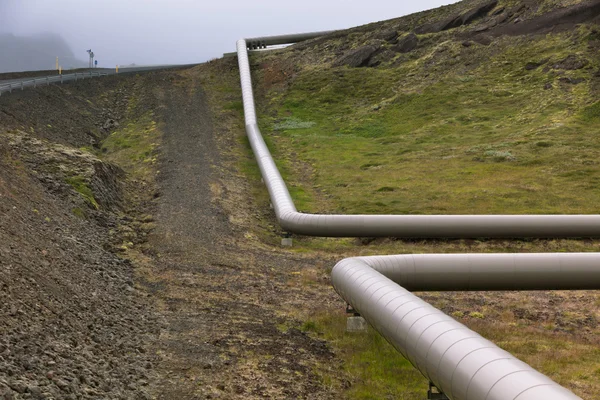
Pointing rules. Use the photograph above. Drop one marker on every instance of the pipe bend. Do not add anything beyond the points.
(456, 359)
(404, 226)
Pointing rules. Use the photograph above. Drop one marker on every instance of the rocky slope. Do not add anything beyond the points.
(71, 323)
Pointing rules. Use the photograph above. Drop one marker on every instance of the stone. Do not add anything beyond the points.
(483, 40)
(381, 57)
(478, 12)
(110, 123)
(388, 36)
(64, 386)
(407, 44)
(458, 20)
(356, 324)
(571, 81)
(6, 394)
(286, 242)
(571, 63)
(498, 11)
(35, 392)
(18, 386)
(357, 58)
(532, 65)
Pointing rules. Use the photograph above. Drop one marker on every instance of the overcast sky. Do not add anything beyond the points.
(186, 31)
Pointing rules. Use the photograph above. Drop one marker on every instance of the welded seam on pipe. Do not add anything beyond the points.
(457, 360)
(424, 226)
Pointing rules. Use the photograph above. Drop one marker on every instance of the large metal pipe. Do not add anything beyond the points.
(264, 41)
(422, 226)
(460, 362)
(469, 272)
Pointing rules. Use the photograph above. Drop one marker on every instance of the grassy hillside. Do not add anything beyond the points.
(429, 114)
(452, 126)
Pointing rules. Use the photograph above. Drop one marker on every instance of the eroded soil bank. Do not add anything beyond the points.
(71, 323)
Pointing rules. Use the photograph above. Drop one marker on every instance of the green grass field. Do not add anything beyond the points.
(490, 141)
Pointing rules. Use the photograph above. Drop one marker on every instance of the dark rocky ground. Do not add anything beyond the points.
(200, 315)
(71, 323)
(223, 299)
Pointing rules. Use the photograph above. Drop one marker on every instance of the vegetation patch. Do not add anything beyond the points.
(78, 212)
(500, 155)
(373, 365)
(82, 187)
(293, 123)
(591, 113)
(133, 147)
(425, 125)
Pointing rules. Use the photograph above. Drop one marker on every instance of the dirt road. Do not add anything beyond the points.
(222, 300)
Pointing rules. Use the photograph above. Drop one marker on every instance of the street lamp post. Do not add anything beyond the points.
(91, 61)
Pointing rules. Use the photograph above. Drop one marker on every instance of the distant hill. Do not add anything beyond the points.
(37, 52)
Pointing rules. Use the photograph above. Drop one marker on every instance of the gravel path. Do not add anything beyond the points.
(222, 299)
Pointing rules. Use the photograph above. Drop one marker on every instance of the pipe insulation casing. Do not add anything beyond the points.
(422, 226)
(282, 39)
(460, 362)
(464, 272)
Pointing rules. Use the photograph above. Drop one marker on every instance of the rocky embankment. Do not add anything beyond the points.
(72, 325)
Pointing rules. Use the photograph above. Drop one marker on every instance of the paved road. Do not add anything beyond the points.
(14, 84)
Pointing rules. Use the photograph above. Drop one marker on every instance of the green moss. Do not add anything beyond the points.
(591, 113)
(309, 326)
(293, 123)
(88, 149)
(133, 146)
(78, 212)
(236, 105)
(488, 141)
(81, 186)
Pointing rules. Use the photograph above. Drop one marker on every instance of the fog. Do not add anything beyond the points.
(184, 31)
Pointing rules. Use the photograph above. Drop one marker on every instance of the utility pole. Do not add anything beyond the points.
(91, 62)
